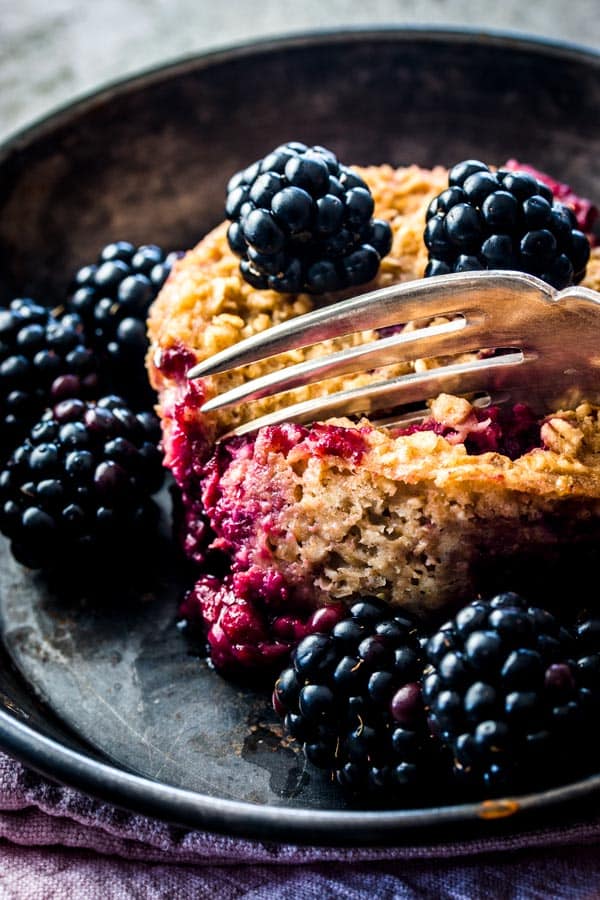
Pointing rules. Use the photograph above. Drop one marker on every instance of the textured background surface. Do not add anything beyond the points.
(54, 50)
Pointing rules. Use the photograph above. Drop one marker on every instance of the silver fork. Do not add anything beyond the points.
(550, 342)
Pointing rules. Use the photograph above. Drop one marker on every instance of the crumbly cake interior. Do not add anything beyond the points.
(353, 509)
(303, 516)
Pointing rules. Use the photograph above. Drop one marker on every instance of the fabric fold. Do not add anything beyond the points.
(37, 812)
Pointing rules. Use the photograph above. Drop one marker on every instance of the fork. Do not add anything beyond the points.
(549, 343)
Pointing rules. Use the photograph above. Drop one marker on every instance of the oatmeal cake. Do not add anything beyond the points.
(294, 517)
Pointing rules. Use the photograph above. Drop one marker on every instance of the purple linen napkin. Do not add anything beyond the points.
(57, 842)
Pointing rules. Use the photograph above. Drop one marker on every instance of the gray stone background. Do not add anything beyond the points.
(52, 51)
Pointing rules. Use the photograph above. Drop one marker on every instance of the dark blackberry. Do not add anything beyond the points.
(80, 485)
(503, 220)
(587, 661)
(352, 697)
(504, 696)
(112, 296)
(301, 221)
(43, 359)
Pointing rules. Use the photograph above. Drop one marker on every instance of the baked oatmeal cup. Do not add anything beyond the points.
(293, 518)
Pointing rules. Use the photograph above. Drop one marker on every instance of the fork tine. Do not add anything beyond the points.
(456, 336)
(491, 374)
(424, 298)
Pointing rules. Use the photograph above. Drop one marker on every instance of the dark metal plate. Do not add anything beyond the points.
(99, 688)
(110, 660)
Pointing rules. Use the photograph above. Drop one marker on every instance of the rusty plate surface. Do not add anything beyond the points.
(115, 666)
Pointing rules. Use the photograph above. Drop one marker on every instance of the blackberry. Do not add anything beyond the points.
(81, 483)
(352, 697)
(587, 661)
(112, 296)
(505, 219)
(43, 359)
(302, 221)
(504, 696)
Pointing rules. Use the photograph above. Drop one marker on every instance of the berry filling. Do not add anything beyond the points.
(236, 526)
(511, 431)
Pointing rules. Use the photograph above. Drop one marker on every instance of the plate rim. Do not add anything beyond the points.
(87, 99)
(316, 827)
(139, 794)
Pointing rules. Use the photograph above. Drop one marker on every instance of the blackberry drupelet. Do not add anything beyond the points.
(112, 297)
(352, 697)
(301, 221)
(503, 219)
(504, 696)
(587, 673)
(43, 359)
(80, 485)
